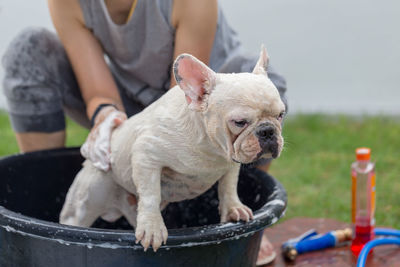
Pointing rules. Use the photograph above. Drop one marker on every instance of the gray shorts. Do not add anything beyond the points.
(40, 85)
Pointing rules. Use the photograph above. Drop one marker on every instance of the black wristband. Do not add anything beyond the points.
(99, 107)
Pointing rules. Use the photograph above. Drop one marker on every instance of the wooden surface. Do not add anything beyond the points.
(382, 256)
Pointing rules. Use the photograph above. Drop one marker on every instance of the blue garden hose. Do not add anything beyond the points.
(394, 240)
(390, 232)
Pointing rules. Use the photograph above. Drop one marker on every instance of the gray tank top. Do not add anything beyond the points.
(140, 52)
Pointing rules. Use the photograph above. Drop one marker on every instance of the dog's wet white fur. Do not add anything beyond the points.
(198, 133)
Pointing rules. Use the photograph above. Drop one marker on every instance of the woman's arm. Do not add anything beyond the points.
(85, 54)
(96, 83)
(195, 23)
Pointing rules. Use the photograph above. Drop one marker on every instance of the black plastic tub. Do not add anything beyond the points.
(32, 191)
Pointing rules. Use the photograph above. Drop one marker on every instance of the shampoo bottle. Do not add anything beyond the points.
(363, 199)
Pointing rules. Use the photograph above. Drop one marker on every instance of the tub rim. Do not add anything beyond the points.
(15, 222)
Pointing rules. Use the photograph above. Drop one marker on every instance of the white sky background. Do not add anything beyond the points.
(339, 56)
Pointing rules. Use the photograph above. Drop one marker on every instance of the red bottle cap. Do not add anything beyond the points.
(363, 153)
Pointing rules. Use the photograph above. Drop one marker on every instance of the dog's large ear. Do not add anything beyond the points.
(262, 63)
(195, 79)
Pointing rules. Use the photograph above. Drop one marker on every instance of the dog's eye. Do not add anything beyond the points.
(240, 123)
(280, 116)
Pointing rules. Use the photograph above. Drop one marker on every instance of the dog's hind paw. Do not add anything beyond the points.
(151, 230)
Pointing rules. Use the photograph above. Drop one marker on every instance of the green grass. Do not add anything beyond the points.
(76, 135)
(315, 164)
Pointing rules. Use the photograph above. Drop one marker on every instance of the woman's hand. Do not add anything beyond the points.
(97, 145)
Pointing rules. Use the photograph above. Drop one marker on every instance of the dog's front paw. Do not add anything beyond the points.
(236, 213)
(151, 230)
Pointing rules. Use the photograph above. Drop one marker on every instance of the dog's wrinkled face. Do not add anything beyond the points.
(242, 112)
(252, 112)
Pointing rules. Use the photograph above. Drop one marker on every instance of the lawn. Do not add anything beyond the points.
(315, 164)
(76, 135)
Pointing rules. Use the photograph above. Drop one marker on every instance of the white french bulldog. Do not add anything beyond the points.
(198, 133)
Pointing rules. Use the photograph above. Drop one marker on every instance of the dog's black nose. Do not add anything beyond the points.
(265, 132)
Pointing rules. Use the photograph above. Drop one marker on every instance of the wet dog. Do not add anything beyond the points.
(198, 133)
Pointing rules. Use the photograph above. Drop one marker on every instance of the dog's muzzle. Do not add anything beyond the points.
(268, 139)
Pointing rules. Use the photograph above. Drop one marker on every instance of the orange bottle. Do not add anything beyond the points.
(363, 199)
